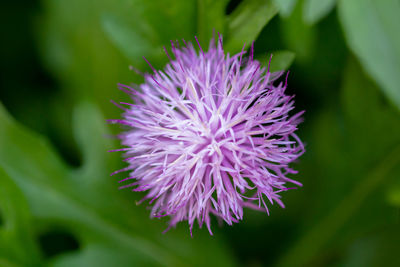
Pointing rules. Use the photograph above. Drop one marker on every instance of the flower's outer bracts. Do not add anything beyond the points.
(210, 134)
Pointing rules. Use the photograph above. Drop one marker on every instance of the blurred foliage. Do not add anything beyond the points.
(85, 203)
(246, 22)
(314, 10)
(17, 246)
(372, 31)
(58, 205)
(285, 6)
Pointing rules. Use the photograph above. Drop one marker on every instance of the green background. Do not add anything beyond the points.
(60, 64)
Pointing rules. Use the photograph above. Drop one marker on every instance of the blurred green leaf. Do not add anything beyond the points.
(210, 17)
(93, 139)
(349, 174)
(169, 20)
(92, 208)
(281, 60)
(126, 37)
(89, 45)
(316, 238)
(101, 256)
(298, 36)
(314, 10)
(363, 103)
(376, 249)
(140, 30)
(368, 112)
(16, 238)
(372, 33)
(77, 52)
(246, 22)
(7, 263)
(285, 6)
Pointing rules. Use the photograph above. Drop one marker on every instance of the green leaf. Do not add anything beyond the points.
(319, 235)
(95, 255)
(133, 41)
(285, 6)
(351, 177)
(210, 17)
(170, 20)
(92, 208)
(78, 54)
(245, 23)
(7, 263)
(142, 31)
(298, 36)
(371, 30)
(89, 45)
(314, 10)
(16, 238)
(93, 139)
(281, 60)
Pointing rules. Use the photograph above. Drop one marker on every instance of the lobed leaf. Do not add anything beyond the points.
(17, 245)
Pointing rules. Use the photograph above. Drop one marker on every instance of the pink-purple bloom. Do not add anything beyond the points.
(209, 134)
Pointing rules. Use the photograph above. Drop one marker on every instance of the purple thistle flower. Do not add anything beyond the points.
(210, 134)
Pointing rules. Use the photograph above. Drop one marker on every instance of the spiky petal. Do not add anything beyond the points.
(210, 134)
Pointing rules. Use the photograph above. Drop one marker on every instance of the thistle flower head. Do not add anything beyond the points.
(209, 134)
